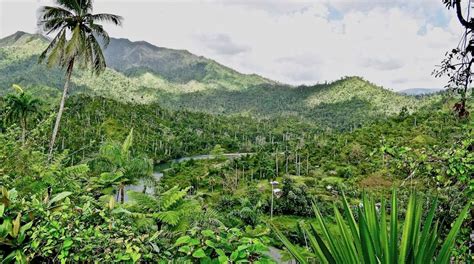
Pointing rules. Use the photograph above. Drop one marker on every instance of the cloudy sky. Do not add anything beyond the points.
(393, 43)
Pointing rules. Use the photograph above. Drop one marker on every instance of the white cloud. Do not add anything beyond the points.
(221, 44)
(393, 43)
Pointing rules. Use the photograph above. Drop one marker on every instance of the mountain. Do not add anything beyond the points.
(20, 38)
(420, 91)
(143, 73)
(179, 66)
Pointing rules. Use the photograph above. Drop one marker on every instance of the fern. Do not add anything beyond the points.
(171, 197)
(143, 202)
(125, 151)
(76, 170)
(169, 217)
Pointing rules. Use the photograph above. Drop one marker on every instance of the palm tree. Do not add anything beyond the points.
(19, 106)
(123, 168)
(75, 42)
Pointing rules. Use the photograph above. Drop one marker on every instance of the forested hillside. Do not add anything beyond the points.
(430, 150)
(142, 154)
(143, 73)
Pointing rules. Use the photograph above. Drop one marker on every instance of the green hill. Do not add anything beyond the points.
(143, 73)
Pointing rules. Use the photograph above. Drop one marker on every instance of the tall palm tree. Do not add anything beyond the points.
(75, 42)
(20, 106)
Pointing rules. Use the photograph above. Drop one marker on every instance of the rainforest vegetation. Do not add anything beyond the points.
(183, 160)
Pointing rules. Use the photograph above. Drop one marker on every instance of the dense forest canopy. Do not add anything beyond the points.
(169, 157)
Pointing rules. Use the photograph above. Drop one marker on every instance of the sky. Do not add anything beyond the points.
(396, 44)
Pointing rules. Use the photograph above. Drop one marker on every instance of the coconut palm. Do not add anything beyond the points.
(75, 43)
(19, 106)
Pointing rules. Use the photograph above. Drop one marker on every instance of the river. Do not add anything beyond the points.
(160, 168)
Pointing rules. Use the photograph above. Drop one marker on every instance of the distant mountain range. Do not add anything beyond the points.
(420, 91)
(142, 73)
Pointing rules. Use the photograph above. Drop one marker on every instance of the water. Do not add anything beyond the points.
(159, 169)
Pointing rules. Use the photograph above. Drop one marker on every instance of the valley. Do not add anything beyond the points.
(208, 86)
(157, 155)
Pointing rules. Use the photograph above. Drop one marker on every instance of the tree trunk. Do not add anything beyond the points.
(276, 164)
(118, 194)
(122, 193)
(61, 109)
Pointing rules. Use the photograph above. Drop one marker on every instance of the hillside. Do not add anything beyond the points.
(143, 73)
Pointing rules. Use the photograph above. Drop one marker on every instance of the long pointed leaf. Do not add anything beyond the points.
(394, 229)
(291, 248)
(322, 246)
(445, 251)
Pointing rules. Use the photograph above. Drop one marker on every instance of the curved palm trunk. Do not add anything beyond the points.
(61, 110)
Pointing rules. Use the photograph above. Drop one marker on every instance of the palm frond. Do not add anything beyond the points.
(97, 59)
(116, 20)
(100, 32)
(72, 5)
(53, 12)
(54, 42)
(56, 54)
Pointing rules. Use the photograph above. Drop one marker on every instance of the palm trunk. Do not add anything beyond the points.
(61, 109)
(122, 193)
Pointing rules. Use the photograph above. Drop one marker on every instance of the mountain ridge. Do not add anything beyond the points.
(143, 73)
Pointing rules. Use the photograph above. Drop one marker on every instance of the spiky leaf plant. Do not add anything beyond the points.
(375, 237)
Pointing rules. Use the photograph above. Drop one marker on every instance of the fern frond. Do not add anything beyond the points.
(143, 202)
(168, 217)
(172, 196)
(76, 170)
(127, 144)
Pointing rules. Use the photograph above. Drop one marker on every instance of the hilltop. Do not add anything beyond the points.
(143, 73)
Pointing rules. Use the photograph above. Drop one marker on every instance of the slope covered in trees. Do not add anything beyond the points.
(143, 73)
(430, 150)
(293, 152)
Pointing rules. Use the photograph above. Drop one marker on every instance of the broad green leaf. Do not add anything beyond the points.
(199, 253)
(185, 249)
(182, 240)
(207, 233)
(59, 197)
(234, 255)
(16, 225)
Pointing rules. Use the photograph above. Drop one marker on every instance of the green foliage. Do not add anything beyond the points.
(460, 165)
(19, 107)
(12, 231)
(178, 79)
(294, 200)
(225, 245)
(375, 237)
(288, 134)
(117, 166)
